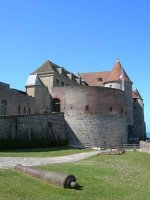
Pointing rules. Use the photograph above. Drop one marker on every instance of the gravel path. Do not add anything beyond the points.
(10, 162)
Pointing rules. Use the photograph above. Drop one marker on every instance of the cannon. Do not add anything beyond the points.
(58, 179)
(112, 152)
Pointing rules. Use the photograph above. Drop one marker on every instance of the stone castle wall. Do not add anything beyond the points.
(32, 130)
(128, 92)
(96, 130)
(138, 117)
(17, 101)
(93, 114)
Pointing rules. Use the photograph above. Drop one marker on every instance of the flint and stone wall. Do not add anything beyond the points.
(32, 131)
(94, 115)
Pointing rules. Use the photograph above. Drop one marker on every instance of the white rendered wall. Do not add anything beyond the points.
(113, 85)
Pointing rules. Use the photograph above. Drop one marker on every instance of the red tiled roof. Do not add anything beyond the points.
(95, 78)
(116, 72)
(104, 77)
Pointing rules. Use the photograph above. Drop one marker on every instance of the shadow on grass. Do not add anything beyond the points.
(37, 149)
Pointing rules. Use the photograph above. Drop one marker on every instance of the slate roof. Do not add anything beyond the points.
(48, 66)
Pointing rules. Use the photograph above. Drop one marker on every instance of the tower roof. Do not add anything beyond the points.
(116, 73)
(136, 94)
(33, 80)
(48, 66)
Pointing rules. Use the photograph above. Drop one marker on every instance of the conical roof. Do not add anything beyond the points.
(115, 74)
(48, 66)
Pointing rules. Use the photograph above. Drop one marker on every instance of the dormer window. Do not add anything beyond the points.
(99, 79)
(57, 82)
(73, 78)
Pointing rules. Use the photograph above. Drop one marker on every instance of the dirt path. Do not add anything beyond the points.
(10, 162)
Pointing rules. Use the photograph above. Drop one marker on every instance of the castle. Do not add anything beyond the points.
(98, 108)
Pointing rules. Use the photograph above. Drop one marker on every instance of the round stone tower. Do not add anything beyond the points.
(94, 115)
(138, 117)
(119, 79)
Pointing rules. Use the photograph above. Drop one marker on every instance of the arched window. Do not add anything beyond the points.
(56, 105)
(3, 107)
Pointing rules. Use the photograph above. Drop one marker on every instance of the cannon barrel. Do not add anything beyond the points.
(59, 179)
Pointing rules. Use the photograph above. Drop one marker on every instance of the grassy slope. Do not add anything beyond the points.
(124, 177)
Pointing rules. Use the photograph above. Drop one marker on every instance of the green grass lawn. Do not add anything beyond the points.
(43, 152)
(105, 177)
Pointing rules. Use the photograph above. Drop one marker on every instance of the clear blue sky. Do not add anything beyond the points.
(81, 35)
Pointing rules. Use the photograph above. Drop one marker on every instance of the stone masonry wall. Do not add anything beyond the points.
(138, 118)
(93, 115)
(17, 101)
(96, 130)
(32, 131)
(128, 92)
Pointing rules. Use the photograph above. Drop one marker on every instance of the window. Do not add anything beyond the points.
(62, 83)
(86, 107)
(57, 82)
(121, 110)
(18, 110)
(110, 109)
(64, 72)
(99, 79)
(24, 110)
(29, 110)
(73, 78)
(3, 107)
(56, 105)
